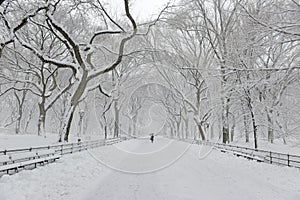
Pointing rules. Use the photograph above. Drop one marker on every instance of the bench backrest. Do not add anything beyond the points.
(4, 159)
(23, 156)
(46, 152)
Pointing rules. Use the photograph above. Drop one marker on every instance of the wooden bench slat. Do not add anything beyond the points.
(31, 162)
(26, 155)
(8, 167)
(50, 156)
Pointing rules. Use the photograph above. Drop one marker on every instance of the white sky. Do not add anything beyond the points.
(143, 9)
(140, 9)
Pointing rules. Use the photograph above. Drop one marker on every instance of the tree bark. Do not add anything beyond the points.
(201, 132)
(186, 123)
(253, 124)
(270, 126)
(232, 132)
(20, 110)
(225, 121)
(74, 102)
(178, 129)
(68, 125)
(80, 124)
(42, 119)
(134, 124)
(116, 124)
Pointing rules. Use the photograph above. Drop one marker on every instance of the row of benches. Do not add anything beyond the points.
(14, 160)
(21, 160)
(248, 155)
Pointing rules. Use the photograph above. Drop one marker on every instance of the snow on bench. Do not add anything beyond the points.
(21, 160)
(112, 141)
(250, 156)
(17, 157)
(48, 155)
(4, 159)
(44, 153)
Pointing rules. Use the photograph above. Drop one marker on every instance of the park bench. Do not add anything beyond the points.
(249, 156)
(21, 160)
(4, 159)
(111, 141)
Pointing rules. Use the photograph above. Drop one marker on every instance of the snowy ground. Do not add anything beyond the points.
(25, 141)
(9, 140)
(165, 169)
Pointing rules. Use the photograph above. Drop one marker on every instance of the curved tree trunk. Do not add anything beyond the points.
(74, 103)
(68, 125)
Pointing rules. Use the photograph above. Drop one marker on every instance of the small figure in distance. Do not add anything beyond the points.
(152, 137)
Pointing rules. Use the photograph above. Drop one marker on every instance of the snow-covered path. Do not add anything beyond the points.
(166, 169)
(192, 176)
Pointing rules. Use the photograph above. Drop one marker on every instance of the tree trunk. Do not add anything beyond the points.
(201, 132)
(116, 124)
(61, 130)
(232, 132)
(270, 126)
(186, 123)
(178, 129)
(253, 124)
(105, 126)
(74, 103)
(105, 131)
(130, 124)
(134, 124)
(20, 114)
(171, 131)
(212, 131)
(42, 119)
(20, 110)
(28, 120)
(80, 124)
(246, 120)
(285, 131)
(18, 124)
(247, 127)
(68, 124)
(225, 121)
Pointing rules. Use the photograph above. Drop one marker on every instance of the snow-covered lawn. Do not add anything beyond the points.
(9, 140)
(174, 170)
(24, 141)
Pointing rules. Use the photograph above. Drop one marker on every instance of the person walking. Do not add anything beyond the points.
(152, 138)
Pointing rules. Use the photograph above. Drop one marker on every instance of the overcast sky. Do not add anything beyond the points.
(141, 9)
